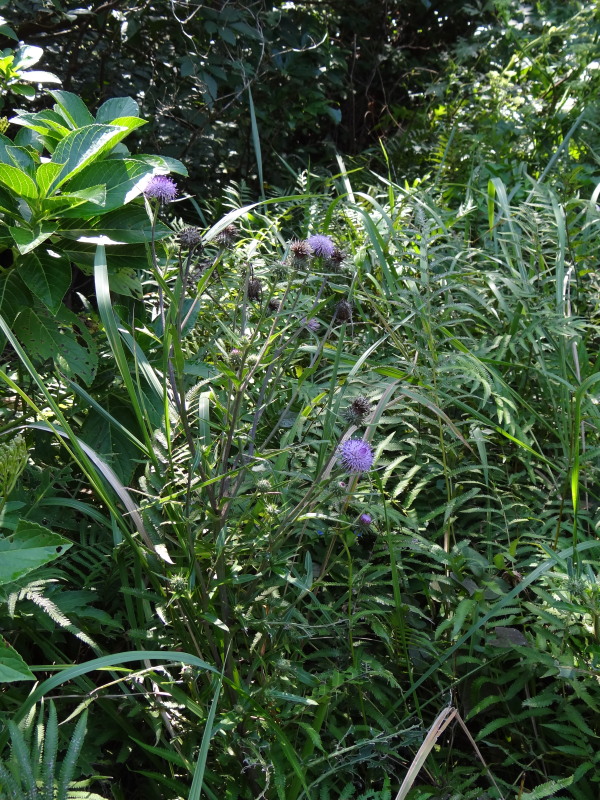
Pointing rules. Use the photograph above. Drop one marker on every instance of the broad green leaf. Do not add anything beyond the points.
(124, 226)
(164, 163)
(46, 174)
(117, 107)
(72, 108)
(63, 204)
(83, 146)
(63, 338)
(131, 123)
(124, 257)
(40, 76)
(123, 179)
(21, 158)
(26, 56)
(48, 276)
(23, 89)
(8, 203)
(18, 181)
(28, 239)
(13, 295)
(12, 666)
(42, 122)
(31, 546)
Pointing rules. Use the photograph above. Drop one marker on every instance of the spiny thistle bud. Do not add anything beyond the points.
(178, 583)
(339, 488)
(227, 236)
(13, 458)
(3, 124)
(263, 485)
(235, 357)
(321, 245)
(300, 249)
(254, 289)
(161, 188)
(356, 455)
(343, 311)
(190, 238)
(358, 409)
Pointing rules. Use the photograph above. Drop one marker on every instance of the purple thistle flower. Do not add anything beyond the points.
(311, 324)
(365, 519)
(161, 188)
(321, 245)
(356, 455)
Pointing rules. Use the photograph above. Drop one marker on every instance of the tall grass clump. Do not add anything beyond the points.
(334, 486)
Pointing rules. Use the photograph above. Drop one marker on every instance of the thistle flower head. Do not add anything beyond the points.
(235, 356)
(321, 245)
(227, 236)
(300, 249)
(254, 289)
(337, 258)
(343, 311)
(161, 188)
(358, 409)
(311, 324)
(356, 455)
(365, 519)
(189, 238)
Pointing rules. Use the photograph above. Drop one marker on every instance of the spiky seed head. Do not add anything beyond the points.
(300, 249)
(358, 410)
(190, 237)
(227, 236)
(254, 289)
(337, 258)
(343, 311)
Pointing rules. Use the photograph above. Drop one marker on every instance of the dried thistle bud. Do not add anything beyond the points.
(300, 249)
(336, 259)
(343, 311)
(227, 236)
(190, 238)
(358, 410)
(274, 305)
(254, 289)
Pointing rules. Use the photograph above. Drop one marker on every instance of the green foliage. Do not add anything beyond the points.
(31, 773)
(54, 208)
(297, 631)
